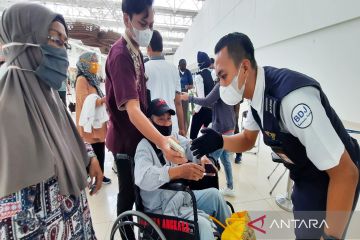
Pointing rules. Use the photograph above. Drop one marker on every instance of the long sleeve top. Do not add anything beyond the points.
(150, 174)
(83, 90)
(223, 115)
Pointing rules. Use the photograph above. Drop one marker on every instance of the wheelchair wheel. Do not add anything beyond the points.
(141, 225)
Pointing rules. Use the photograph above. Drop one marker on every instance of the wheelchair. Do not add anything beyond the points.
(151, 226)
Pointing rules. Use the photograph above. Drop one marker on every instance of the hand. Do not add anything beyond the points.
(170, 154)
(184, 96)
(182, 132)
(103, 100)
(95, 172)
(205, 160)
(191, 171)
(207, 143)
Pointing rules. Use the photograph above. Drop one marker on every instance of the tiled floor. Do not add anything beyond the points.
(250, 182)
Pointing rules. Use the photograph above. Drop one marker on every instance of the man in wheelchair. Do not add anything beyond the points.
(152, 171)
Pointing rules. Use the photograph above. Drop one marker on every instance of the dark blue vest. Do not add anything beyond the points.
(208, 81)
(278, 84)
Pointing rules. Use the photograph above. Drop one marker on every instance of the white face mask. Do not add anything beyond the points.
(231, 94)
(142, 37)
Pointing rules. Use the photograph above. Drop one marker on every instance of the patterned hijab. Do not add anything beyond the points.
(83, 66)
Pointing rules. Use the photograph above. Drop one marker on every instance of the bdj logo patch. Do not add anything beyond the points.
(302, 116)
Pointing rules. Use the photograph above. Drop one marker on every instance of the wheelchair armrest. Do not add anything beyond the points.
(177, 185)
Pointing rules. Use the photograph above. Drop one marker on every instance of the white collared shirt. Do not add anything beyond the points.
(303, 116)
(200, 89)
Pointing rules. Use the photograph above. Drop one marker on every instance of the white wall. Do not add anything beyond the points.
(320, 38)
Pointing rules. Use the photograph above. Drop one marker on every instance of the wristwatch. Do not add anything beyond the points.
(328, 237)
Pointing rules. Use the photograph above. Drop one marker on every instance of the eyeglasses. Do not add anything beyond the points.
(59, 42)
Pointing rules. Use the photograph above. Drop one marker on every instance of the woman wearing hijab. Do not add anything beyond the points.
(43, 159)
(88, 83)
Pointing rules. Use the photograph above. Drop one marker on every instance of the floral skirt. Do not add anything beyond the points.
(40, 212)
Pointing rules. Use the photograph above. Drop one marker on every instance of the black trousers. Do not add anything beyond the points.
(126, 195)
(309, 198)
(62, 95)
(203, 117)
(99, 150)
(237, 110)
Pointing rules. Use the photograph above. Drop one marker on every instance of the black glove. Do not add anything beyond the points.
(207, 143)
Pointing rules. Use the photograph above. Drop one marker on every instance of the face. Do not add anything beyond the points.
(140, 21)
(226, 69)
(182, 67)
(57, 36)
(94, 67)
(164, 120)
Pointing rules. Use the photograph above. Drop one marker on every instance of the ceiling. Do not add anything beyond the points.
(173, 18)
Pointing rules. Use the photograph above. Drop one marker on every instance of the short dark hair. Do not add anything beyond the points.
(239, 47)
(156, 42)
(135, 6)
(182, 61)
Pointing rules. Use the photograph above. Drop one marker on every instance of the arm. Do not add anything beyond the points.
(100, 101)
(341, 193)
(240, 142)
(189, 171)
(245, 140)
(209, 100)
(325, 150)
(149, 174)
(179, 113)
(186, 144)
(199, 90)
(94, 170)
(212, 140)
(127, 98)
(178, 102)
(83, 90)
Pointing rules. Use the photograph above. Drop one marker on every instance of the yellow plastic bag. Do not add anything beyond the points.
(237, 227)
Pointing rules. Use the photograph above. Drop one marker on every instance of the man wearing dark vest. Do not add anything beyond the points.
(298, 123)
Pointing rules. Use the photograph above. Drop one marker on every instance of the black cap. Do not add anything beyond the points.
(158, 107)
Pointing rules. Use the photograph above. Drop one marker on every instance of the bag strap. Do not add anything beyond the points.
(217, 222)
(159, 153)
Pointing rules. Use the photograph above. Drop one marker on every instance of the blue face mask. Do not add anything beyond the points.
(53, 67)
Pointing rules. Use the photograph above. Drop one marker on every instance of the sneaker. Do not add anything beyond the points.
(106, 180)
(238, 158)
(227, 192)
